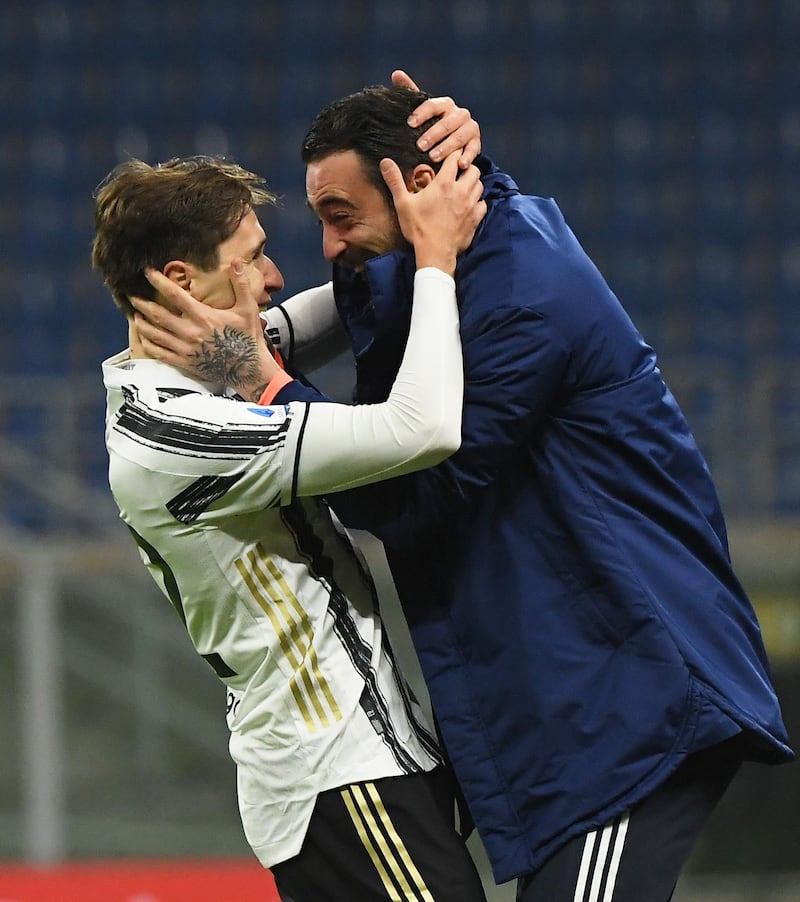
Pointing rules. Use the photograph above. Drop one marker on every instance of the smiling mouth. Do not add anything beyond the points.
(353, 261)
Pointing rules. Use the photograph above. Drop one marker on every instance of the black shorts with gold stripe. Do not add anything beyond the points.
(390, 839)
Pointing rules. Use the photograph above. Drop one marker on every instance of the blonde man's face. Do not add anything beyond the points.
(247, 243)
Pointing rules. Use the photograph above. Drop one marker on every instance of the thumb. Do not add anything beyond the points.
(393, 178)
(240, 282)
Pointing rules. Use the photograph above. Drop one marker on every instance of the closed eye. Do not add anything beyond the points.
(339, 219)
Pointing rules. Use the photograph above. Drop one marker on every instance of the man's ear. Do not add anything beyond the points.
(180, 272)
(419, 177)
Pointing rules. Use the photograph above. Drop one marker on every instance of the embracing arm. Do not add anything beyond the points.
(512, 369)
(341, 446)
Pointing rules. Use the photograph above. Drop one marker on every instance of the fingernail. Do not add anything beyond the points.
(436, 154)
(423, 143)
(412, 121)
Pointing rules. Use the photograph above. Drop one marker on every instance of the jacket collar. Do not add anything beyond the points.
(377, 301)
(496, 183)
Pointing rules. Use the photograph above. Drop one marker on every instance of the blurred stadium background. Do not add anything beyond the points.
(669, 133)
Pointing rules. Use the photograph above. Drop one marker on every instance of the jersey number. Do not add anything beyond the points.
(174, 594)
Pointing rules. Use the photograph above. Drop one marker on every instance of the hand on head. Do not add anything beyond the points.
(221, 345)
(454, 130)
(440, 219)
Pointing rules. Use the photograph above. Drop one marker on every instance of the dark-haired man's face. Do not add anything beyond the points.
(357, 221)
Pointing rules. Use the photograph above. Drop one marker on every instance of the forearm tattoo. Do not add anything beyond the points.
(230, 358)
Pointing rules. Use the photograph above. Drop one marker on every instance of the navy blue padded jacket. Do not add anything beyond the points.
(566, 574)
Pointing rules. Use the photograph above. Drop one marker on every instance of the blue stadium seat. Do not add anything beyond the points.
(668, 133)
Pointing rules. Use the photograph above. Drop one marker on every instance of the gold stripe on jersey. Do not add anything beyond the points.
(285, 646)
(322, 682)
(295, 636)
(384, 845)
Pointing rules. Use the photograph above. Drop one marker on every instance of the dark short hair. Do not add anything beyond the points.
(183, 209)
(373, 123)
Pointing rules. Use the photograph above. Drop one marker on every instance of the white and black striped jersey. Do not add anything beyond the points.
(219, 495)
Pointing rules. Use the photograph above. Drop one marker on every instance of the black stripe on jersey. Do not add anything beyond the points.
(167, 394)
(174, 594)
(372, 701)
(298, 449)
(187, 505)
(426, 738)
(195, 438)
(274, 335)
(168, 577)
(360, 652)
(219, 666)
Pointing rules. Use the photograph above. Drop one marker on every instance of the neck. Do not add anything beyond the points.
(134, 342)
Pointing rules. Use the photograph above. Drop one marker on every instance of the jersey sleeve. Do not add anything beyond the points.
(341, 446)
(306, 328)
